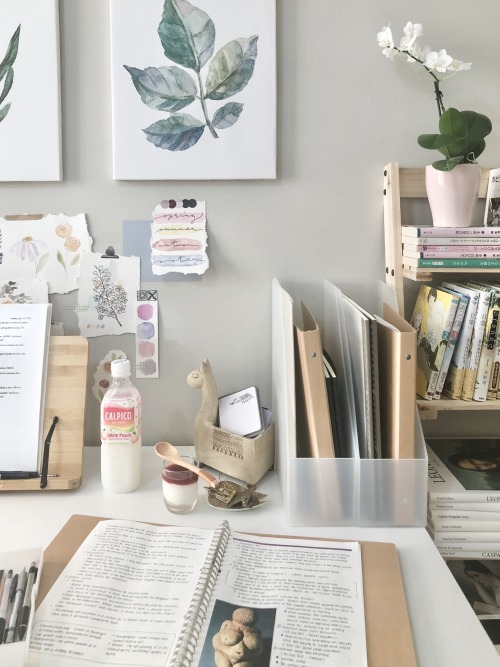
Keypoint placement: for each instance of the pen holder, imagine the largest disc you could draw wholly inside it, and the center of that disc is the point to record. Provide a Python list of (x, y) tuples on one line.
[(247, 459)]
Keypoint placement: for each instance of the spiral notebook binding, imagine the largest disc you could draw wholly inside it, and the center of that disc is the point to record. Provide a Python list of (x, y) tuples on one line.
[(193, 620)]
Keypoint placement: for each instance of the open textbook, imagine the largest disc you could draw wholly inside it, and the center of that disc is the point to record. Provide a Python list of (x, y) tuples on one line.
[(149, 596)]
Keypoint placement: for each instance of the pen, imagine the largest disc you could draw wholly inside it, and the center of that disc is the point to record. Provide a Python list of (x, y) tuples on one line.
[(18, 598), (4, 603), (25, 613), (20, 474)]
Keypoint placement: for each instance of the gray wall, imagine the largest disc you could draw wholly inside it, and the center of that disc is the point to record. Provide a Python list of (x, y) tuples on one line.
[(343, 112)]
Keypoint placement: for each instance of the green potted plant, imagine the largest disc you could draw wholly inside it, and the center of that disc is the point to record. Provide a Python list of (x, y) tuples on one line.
[(452, 183)]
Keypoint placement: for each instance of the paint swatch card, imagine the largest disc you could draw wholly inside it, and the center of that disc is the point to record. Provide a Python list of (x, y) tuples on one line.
[(240, 412), (146, 337), (179, 238)]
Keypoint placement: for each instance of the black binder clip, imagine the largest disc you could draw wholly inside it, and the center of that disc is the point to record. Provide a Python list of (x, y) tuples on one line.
[(46, 450), (110, 253)]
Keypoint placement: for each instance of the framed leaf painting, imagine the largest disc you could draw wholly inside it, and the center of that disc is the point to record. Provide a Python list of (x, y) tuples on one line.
[(30, 109), (194, 89)]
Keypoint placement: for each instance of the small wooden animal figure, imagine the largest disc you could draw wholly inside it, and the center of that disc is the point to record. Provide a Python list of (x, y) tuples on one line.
[(204, 423)]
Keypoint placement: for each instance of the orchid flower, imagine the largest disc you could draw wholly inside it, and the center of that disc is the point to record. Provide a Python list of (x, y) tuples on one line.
[(433, 61)]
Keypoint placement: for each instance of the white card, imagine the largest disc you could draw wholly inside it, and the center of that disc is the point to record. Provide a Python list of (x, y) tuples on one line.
[(240, 412)]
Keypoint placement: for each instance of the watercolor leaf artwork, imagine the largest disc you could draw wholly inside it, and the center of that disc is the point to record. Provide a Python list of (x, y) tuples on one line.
[(7, 71), (187, 35)]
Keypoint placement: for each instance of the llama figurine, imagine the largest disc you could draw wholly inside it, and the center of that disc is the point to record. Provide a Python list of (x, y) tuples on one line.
[(247, 459)]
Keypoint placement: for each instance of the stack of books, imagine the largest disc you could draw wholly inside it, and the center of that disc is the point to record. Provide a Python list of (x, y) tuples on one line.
[(451, 247), (464, 496), (458, 340)]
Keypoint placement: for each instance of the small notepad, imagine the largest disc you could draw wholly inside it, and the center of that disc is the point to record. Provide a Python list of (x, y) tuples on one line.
[(240, 412)]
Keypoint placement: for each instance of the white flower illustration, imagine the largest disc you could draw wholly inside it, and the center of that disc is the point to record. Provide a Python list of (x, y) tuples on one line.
[(28, 248)]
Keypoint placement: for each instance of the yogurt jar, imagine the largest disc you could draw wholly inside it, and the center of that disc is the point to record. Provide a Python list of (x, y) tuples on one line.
[(180, 486)]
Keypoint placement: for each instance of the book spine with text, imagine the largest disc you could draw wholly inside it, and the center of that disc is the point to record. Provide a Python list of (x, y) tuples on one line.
[(462, 538), (432, 243), (485, 366), (455, 378), (475, 347), (455, 248), (451, 263), (463, 515), (474, 550), (491, 508), (450, 347), (457, 525), (429, 230), (451, 254)]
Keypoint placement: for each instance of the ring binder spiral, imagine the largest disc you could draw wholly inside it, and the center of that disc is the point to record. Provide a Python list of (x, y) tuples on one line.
[(191, 627)]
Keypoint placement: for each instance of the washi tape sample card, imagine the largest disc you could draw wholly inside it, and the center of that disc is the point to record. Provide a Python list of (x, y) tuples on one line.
[(179, 237)]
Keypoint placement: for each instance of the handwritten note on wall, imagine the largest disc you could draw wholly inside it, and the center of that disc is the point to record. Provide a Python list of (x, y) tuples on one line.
[(179, 238)]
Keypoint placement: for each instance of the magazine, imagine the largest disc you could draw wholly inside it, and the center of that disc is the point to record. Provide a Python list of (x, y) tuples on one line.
[(492, 208), (479, 580), (464, 469)]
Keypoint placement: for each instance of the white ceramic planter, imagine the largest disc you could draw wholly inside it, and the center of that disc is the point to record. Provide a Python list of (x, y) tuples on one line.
[(453, 194)]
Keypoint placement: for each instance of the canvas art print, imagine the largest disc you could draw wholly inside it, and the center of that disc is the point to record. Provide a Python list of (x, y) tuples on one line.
[(30, 134), (194, 92)]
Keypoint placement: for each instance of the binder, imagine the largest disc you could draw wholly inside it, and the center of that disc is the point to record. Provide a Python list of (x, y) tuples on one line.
[(388, 631), (397, 347), (313, 410)]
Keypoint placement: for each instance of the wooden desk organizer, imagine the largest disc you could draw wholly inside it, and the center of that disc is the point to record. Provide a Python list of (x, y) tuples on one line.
[(65, 398)]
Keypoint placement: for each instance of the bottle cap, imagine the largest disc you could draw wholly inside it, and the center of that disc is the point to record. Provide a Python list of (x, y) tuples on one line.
[(120, 368)]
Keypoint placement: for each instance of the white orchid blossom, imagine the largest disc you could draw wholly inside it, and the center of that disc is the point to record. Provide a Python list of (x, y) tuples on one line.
[(435, 62), (438, 60)]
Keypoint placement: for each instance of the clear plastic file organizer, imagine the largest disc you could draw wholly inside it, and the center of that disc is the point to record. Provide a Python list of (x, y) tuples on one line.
[(337, 491)]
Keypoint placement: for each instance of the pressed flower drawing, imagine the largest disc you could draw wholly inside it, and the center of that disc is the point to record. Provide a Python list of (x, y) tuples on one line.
[(7, 71), (111, 299), (187, 35), (30, 249), (71, 245)]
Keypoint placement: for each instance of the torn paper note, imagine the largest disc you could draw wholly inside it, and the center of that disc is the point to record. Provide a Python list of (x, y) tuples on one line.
[(107, 295), (179, 238), (48, 248)]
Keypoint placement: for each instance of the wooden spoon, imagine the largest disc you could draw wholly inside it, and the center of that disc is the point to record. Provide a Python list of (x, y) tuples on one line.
[(168, 452)]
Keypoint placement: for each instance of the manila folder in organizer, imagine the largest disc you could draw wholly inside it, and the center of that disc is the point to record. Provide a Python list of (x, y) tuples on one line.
[(397, 344), (314, 427)]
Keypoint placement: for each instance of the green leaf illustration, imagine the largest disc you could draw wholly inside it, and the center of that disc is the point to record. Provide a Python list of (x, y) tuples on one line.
[(231, 68), (176, 133), (163, 88), (4, 111), (9, 79), (11, 54), (227, 115), (42, 262), (187, 34), (75, 259), (60, 259)]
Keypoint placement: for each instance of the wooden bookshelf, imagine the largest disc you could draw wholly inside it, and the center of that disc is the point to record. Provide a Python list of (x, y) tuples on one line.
[(403, 183)]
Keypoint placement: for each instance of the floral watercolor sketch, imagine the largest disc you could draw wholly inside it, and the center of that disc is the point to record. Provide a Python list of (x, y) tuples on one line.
[(30, 132), (49, 248), (24, 291), (194, 94), (107, 295)]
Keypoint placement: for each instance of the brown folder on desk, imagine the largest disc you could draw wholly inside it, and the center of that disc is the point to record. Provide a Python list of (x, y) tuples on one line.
[(314, 426), (397, 377), (388, 633)]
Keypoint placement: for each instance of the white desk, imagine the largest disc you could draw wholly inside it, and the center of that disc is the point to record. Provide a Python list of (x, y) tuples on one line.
[(445, 630)]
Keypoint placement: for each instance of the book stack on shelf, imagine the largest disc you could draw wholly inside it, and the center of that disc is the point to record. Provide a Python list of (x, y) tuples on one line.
[(463, 515), (458, 341), (433, 248)]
